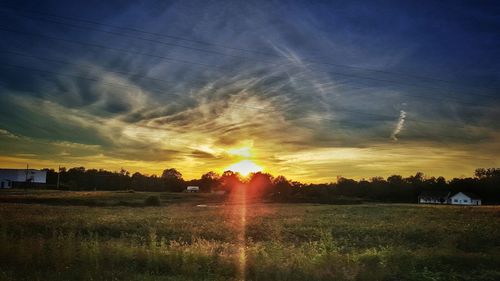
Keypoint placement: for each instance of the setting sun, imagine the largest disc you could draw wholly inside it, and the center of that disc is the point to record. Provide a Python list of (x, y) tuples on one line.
[(245, 167)]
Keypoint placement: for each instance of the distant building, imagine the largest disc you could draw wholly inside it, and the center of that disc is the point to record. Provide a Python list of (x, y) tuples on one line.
[(445, 197), (463, 198), (193, 188), (9, 177), (434, 197)]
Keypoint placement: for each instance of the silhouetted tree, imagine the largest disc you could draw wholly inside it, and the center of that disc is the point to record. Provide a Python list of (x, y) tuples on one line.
[(283, 188), (485, 183), (171, 174), (173, 180), (260, 184), (229, 180), (209, 181)]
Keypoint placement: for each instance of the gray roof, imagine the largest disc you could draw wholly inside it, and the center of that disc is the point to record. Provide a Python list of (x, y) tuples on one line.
[(470, 195)]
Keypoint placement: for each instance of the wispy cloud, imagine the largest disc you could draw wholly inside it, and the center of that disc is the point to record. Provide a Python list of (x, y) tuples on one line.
[(288, 107), (399, 125)]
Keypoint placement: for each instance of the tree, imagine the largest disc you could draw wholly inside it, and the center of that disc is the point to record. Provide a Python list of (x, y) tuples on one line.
[(138, 181), (171, 174), (260, 184), (229, 180), (487, 173), (209, 181), (395, 180), (417, 179), (173, 180), (210, 176), (283, 187)]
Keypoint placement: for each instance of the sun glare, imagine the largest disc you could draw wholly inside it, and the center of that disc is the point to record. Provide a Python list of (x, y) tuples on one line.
[(245, 167)]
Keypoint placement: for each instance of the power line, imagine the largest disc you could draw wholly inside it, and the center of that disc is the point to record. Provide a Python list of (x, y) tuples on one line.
[(19, 10), (340, 125), (127, 86), (108, 48), (139, 31), (397, 82), (216, 66), (133, 74), (163, 80), (391, 117), (178, 95), (84, 78), (149, 40)]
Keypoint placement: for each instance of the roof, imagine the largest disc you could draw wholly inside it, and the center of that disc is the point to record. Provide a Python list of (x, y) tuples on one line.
[(470, 195)]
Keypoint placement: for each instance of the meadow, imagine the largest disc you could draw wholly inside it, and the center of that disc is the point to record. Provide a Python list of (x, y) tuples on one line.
[(67, 235)]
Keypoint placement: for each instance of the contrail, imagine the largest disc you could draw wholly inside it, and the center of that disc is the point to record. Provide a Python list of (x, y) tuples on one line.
[(399, 126)]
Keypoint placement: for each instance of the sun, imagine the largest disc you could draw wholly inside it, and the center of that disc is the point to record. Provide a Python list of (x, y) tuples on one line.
[(245, 167)]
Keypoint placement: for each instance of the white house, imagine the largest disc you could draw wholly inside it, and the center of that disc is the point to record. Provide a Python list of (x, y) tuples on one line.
[(462, 198), (10, 176), (193, 188)]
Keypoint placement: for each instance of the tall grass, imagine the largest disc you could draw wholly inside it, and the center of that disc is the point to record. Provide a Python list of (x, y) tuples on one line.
[(281, 242)]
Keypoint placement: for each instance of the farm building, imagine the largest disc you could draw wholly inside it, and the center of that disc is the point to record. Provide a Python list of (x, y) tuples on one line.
[(434, 197), (445, 197), (463, 198), (193, 188), (9, 177)]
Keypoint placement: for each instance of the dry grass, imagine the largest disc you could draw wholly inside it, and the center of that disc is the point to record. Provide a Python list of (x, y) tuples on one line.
[(69, 238)]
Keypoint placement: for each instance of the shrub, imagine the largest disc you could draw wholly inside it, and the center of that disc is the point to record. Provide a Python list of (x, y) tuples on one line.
[(152, 201)]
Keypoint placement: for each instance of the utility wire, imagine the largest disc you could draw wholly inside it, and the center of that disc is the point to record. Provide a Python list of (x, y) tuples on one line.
[(218, 66), (108, 48), (150, 40), (136, 30), (241, 57), (264, 110), (84, 78), (15, 9), (426, 96)]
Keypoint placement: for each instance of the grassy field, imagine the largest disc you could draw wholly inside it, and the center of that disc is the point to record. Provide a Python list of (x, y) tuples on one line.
[(53, 235)]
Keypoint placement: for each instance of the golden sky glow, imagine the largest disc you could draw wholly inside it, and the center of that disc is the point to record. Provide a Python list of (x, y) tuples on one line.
[(216, 142), (292, 97)]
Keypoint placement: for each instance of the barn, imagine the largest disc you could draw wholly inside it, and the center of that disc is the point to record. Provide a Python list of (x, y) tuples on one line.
[(9, 177), (465, 198)]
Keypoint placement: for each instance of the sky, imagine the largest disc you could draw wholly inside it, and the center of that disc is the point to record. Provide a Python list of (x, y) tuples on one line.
[(311, 90)]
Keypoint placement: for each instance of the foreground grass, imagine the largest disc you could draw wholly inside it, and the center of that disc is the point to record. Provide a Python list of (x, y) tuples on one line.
[(68, 236)]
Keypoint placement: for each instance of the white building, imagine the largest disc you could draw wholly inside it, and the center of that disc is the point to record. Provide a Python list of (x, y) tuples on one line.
[(10, 176), (444, 197), (193, 188), (462, 198)]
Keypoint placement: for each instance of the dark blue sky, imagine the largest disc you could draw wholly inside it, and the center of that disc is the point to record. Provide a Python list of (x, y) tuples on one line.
[(314, 88)]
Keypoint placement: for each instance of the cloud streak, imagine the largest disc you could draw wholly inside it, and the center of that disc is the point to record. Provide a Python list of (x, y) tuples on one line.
[(399, 125), (288, 107)]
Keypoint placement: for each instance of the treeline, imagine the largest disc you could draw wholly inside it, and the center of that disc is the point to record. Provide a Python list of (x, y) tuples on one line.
[(485, 183)]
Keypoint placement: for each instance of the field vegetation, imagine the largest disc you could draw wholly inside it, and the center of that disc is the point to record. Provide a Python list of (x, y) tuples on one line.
[(67, 235)]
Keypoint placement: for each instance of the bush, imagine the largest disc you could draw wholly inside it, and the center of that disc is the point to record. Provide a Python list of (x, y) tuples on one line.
[(152, 201)]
